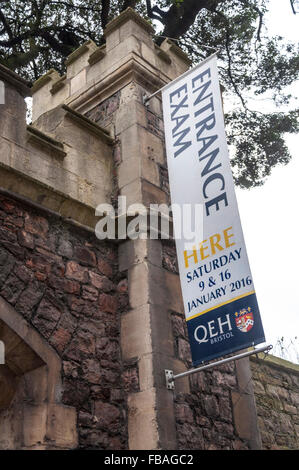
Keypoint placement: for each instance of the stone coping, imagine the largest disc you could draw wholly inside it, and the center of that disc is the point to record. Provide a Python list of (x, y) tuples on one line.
[(97, 55), (178, 51), (88, 45), (88, 124), (15, 80), (45, 139), (58, 85), (47, 77), (277, 362), (162, 54), (128, 14)]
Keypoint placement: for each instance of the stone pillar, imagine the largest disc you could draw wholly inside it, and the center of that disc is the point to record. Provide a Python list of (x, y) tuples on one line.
[(244, 407), (146, 333)]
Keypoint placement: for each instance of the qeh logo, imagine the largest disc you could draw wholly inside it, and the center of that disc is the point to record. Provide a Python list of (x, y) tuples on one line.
[(244, 319), (2, 93)]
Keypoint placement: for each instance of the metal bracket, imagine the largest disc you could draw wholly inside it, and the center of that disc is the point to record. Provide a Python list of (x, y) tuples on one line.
[(169, 379), (145, 100)]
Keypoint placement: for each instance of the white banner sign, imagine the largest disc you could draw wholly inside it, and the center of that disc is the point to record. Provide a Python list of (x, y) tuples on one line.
[(219, 298)]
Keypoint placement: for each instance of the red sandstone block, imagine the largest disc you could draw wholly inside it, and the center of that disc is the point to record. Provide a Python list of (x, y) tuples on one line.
[(26, 239), (109, 377), (108, 303), (65, 285), (12, 289), (12, 220), (38, 263), (70, 369), (178, 325), (76, 303), (46, 318), (48, 242), (108, 351), (40, 276), (211, 406), (23, 273), (29, 298), (36, 225), (14, 248), (105, 268), (60, 338), (82, 345), (107, 414), (184, 413), (90, 293), (85, 256), (7, 205), (75, 393), (77, 272), (49, 256), (86, 419), (71, 287), (92, 371), (101, 282)]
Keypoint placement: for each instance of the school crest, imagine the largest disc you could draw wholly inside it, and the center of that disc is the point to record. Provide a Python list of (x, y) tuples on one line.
[(244, 319)]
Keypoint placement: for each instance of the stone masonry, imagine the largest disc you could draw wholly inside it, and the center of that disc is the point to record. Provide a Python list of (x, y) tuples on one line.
[(276, 390), (90, 326)]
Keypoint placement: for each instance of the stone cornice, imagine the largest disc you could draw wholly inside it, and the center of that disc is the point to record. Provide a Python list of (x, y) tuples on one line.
[(45, 140), (44, 79), (15, 80), (133, 68), (60, 83), (88, 124), (179, 52)]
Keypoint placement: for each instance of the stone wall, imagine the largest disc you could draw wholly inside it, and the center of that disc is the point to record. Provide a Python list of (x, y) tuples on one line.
[(276, 384), (66, 285)]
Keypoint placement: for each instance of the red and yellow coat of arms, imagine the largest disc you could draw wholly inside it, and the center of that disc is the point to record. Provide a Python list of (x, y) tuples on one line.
[(244, 319)]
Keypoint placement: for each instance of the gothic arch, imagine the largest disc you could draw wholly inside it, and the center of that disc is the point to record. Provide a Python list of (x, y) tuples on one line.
[(31, 415)]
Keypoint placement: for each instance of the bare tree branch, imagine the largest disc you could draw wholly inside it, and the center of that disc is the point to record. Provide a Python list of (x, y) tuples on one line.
[(151, 12)]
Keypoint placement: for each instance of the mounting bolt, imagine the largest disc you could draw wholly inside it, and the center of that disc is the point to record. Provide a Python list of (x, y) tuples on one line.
[(169, 379), (145, 100)]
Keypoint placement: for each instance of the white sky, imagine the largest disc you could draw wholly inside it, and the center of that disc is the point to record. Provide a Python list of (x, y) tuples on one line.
[(270, 220)]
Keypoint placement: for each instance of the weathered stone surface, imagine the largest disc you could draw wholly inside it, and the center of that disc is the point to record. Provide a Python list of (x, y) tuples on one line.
[(276, 388), (63, 283), (77, 272), (108, 303), (85, 256)]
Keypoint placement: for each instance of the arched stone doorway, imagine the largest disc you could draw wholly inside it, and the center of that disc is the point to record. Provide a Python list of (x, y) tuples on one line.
[(31, 415)]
